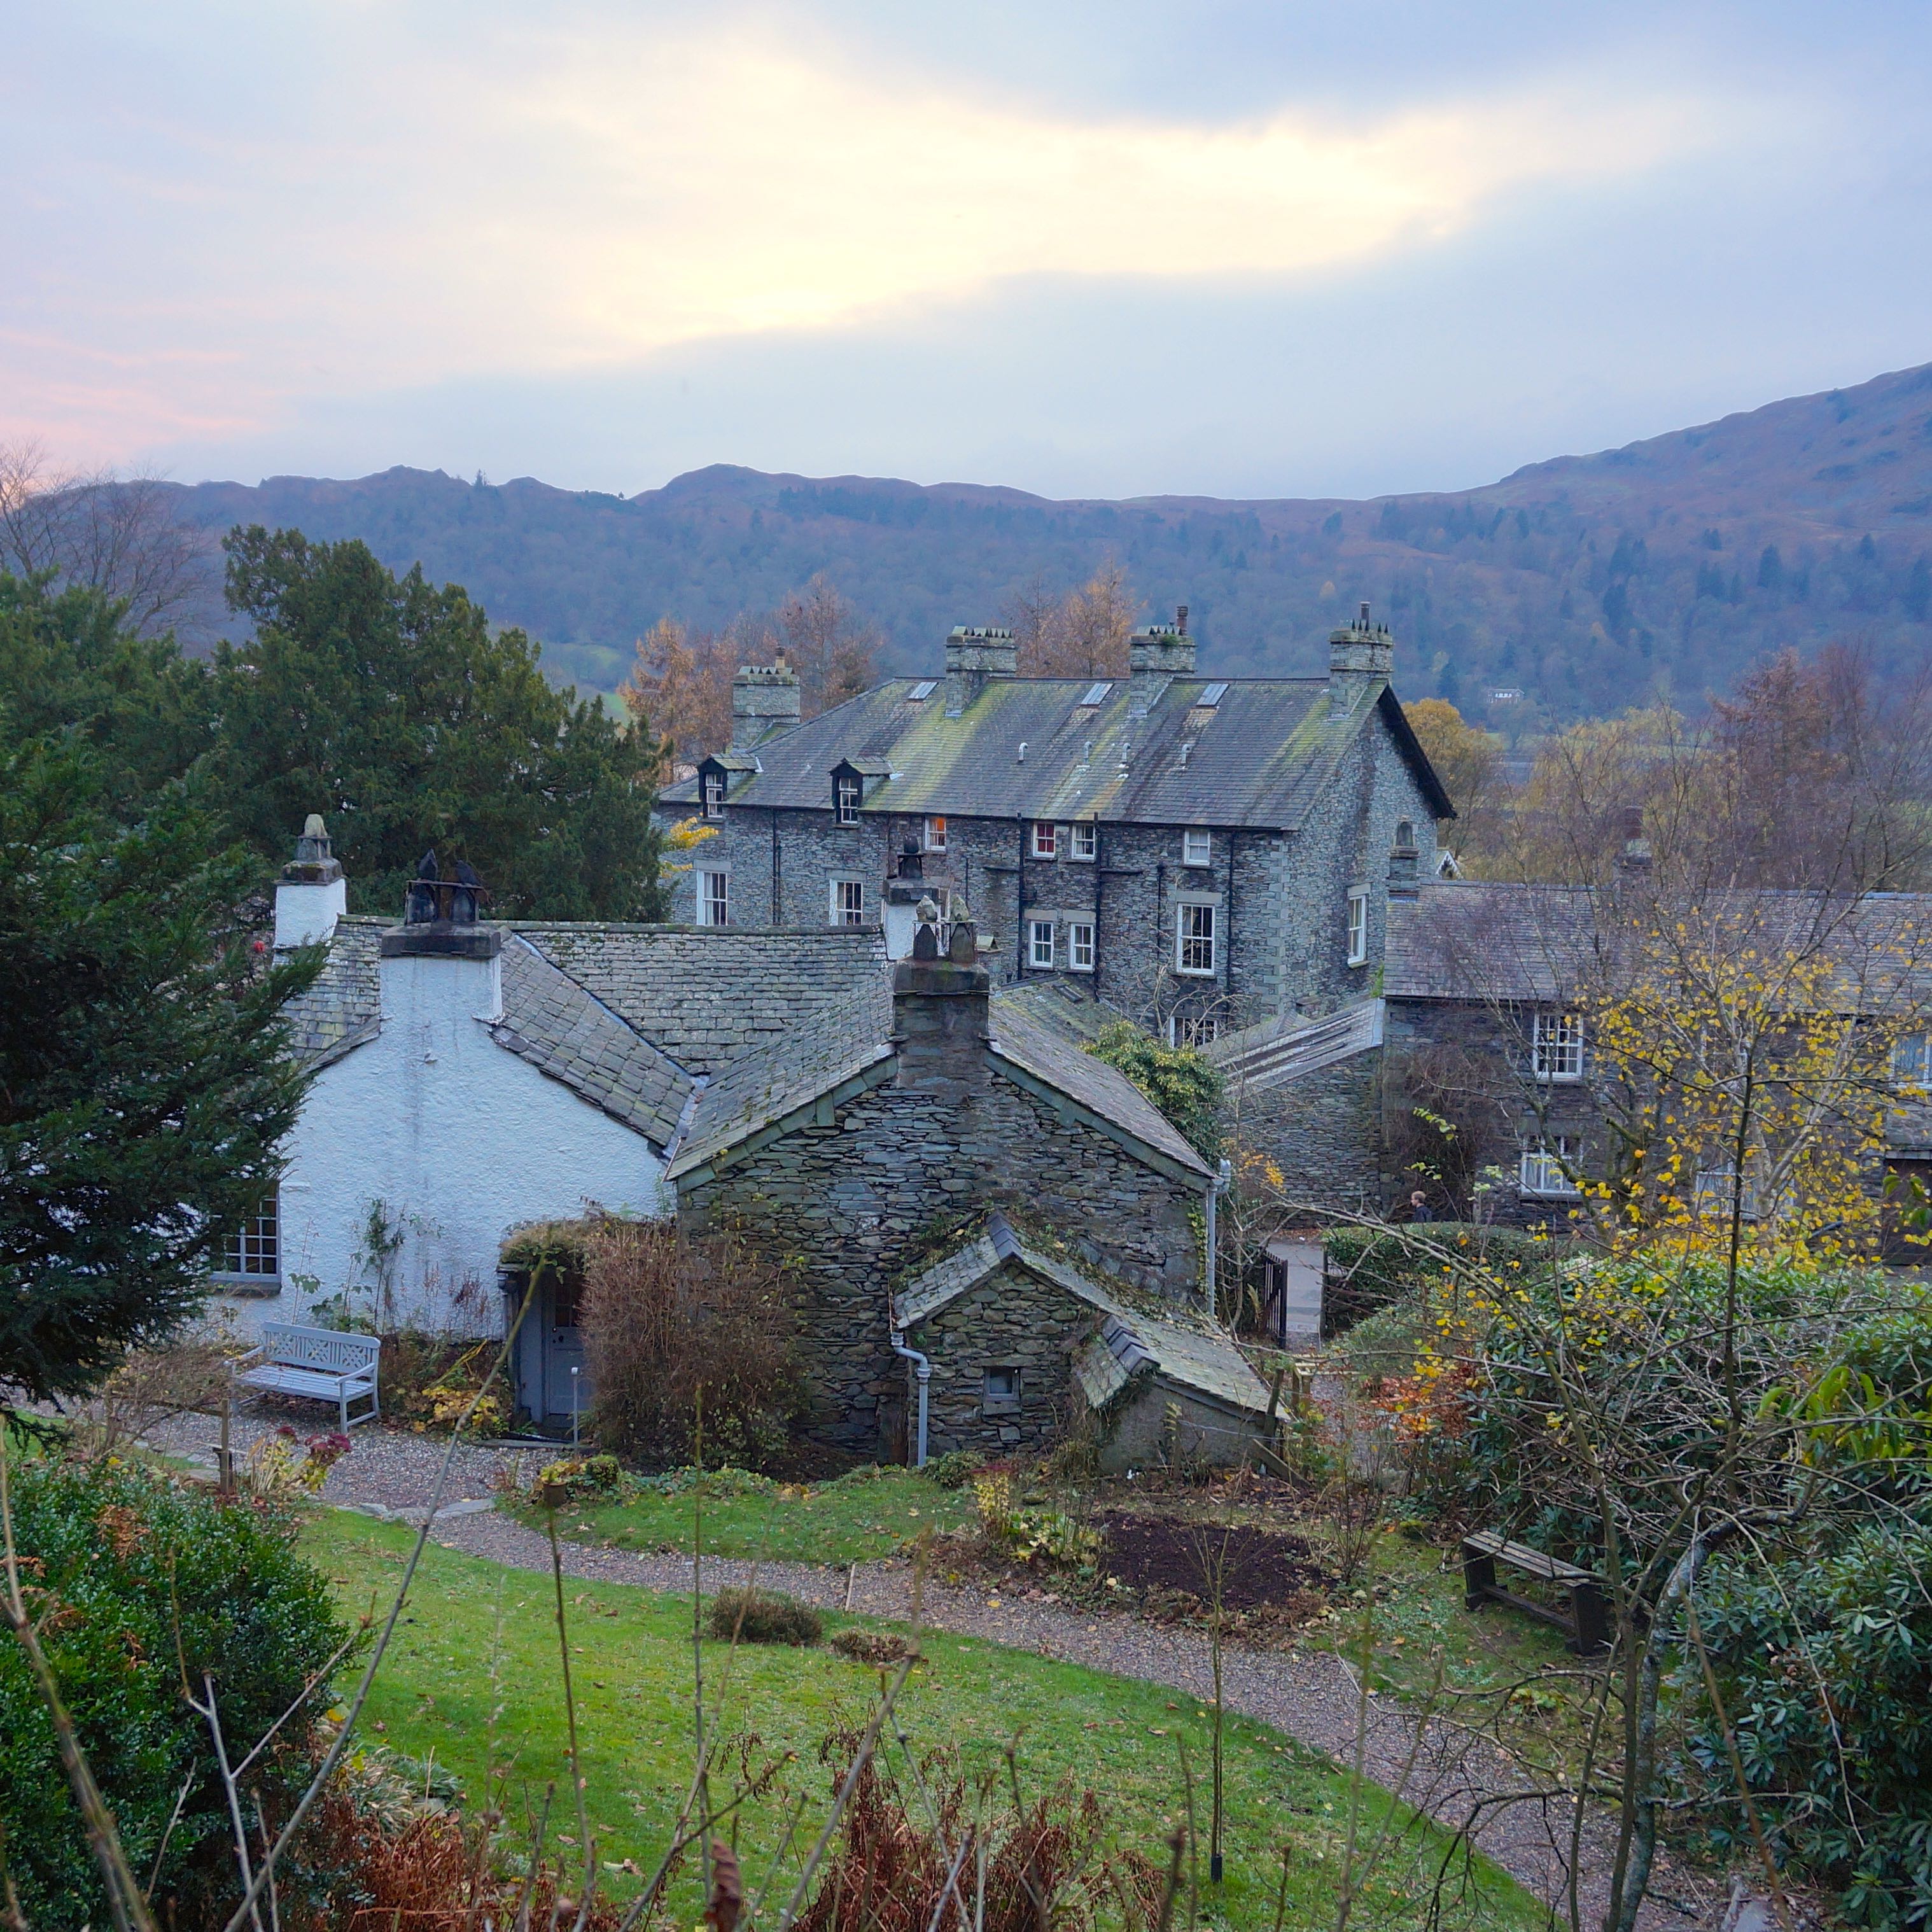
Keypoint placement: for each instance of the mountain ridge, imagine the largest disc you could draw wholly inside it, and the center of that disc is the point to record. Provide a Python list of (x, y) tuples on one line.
[(1581, 583)]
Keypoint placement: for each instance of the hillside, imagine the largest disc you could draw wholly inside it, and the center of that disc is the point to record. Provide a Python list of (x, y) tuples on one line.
[(1583, 583)]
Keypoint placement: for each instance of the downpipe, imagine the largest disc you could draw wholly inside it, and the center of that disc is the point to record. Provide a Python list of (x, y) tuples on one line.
[(924, 1369)]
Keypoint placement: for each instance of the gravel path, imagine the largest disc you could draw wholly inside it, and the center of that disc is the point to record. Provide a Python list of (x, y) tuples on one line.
[(1464, 1781)]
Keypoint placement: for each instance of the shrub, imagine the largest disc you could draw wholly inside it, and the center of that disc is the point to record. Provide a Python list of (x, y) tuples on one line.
[(577, 1477), (871, 1647), (1825, 1667), (136, 1582), (1187, 1088), (1368, 1268), (671, 1323), (760, 1616), (955, 1469)]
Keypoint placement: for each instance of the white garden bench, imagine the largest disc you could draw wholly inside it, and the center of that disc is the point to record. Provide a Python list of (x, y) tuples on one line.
[(322, 1363)]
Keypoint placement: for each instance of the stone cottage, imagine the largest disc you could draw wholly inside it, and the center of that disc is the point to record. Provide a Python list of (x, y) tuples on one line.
[(877, 1152), (1202, 853)]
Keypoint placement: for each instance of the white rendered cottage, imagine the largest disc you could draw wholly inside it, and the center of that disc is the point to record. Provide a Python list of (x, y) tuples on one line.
[(466, 1085)]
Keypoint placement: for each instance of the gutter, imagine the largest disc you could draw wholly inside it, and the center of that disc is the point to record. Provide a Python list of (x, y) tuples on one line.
[(925, 1371)]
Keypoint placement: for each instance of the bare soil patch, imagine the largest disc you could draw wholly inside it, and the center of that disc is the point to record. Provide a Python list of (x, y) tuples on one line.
[(1259, 1569)]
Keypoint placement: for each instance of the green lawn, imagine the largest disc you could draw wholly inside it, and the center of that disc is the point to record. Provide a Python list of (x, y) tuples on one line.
[(476, 1635), (857, 1518)]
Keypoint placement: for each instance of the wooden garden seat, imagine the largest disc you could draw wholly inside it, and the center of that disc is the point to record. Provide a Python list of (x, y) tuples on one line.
[(1588, 1622)]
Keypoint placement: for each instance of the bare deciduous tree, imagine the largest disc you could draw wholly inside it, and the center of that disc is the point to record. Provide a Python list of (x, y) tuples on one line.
[(109, 532), (1082, 634)]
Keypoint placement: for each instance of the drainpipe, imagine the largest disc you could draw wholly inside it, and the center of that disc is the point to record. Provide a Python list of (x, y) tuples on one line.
[(1218, 1186), (925, 1376)]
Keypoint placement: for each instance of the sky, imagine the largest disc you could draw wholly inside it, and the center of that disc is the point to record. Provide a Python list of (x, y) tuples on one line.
[(1232, 247)]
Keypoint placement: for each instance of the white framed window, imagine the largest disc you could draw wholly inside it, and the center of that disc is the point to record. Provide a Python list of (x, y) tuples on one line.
[(1195, 1030), (1911, 1059), (1549, 1166), (848, 801), (1002, 1392), (253, 1251), (714, 794), (1046, 840), (1040, 942), (848, 902), (714, 898), (1085, 844), (1197, 847), (1080, 946), (935, 835), (1194, 939), (1716, 1186), (1358, 925), (1556, 1046)]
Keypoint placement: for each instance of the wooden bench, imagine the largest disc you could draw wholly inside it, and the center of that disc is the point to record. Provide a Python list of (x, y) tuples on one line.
[(1588, 1622), (323, 1364)]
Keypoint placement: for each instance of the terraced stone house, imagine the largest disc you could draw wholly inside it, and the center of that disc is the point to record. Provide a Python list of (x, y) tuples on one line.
[(1204, 854)]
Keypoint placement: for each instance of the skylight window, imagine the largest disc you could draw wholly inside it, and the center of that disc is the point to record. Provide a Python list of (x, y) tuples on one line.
[(919, 693), (1096, 694), (1212, 696)]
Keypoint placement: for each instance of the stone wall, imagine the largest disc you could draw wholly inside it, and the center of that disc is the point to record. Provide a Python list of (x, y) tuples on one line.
[(854, 1207), (1012, 1320)]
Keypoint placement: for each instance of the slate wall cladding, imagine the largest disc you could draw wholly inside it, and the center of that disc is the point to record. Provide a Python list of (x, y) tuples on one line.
[(1009, 1321), (850, 1205)]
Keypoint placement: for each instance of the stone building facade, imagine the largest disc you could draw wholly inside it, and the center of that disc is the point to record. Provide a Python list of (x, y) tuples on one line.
[(887, 1152), (1203, 854)]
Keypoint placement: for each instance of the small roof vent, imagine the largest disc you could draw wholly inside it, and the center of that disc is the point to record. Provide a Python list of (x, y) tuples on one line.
[(1096, 694), (1212, 696)]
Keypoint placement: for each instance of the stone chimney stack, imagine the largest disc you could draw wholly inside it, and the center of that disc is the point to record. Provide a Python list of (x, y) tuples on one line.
[(1361, 656), (940, 1017), (1156, 657), (975, 654), (764, 702), (311, 894)]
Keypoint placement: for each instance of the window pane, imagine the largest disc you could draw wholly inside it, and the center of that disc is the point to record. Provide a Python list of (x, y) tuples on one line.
[(1045, 841), (1086, 841), (1194, 951), (1196, 848), (1040, 932), (1080, 952), (255, 1248)]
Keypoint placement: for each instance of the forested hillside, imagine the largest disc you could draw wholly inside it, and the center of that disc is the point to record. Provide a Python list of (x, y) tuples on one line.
[(1581, 583)]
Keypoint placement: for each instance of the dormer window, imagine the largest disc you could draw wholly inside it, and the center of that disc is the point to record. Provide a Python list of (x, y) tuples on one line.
[(714, 794), (848, 794)]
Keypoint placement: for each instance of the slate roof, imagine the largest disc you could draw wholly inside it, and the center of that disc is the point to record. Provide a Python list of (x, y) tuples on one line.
[(1050, 1057), (1059, 1005), (343, 1008), (1261, 757), (1129, 1340), (825, 1049), (1274, 1051), (707, 995), (565, 1032), (1482, 940), (970, 1263)]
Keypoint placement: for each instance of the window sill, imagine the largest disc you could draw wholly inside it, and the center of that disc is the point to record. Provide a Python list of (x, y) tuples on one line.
[(1196, 972), (267, 1286)]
